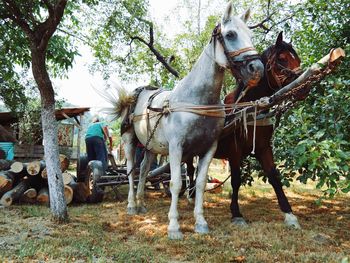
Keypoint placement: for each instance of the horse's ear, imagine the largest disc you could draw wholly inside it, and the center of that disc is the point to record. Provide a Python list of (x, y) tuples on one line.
[(246, 15), (227, 14), (279, 38)]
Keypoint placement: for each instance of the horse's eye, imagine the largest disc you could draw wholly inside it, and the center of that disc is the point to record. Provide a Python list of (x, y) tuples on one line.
[(231, 35)]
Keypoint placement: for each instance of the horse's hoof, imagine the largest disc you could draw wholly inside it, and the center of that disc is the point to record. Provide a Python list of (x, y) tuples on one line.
[(141, 210), (239, 221), (132, 211), (291, 221), (201, 229), (175, 235)]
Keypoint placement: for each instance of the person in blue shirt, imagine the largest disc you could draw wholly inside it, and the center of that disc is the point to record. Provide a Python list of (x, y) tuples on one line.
[(95, 139)]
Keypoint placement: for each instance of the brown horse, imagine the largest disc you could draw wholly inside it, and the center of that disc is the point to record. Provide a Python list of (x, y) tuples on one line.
[(281, 67)]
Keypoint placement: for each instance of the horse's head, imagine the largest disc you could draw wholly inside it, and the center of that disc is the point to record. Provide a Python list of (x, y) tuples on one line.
[(282, 64), (235, 49)]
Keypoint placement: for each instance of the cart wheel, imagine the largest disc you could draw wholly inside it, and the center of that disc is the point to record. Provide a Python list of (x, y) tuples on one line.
[(82, 168), (166, 186), (94, 173)]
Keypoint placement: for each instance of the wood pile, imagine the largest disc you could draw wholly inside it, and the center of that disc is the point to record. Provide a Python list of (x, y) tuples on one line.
[(26, 182)]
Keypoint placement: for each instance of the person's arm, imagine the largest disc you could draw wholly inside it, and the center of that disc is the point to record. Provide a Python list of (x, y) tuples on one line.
[(108, 137)]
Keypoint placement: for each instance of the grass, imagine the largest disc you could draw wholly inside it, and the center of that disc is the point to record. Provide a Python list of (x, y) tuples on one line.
[(105, 233)]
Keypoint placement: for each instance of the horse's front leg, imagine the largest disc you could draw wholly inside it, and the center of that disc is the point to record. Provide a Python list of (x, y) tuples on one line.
[(144, 169), (273, 175), (201, 225), (175, 155), (129, 148)]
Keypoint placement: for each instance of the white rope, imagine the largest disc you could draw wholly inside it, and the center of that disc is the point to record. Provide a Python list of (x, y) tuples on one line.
[(244, 112), (254, 132)]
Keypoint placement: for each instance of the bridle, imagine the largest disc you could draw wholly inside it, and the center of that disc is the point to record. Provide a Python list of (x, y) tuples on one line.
[(234, 64), (286, 73)]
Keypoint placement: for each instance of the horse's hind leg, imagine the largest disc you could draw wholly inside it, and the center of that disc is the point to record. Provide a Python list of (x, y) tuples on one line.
[(190, 174), (236, 181), (273, 176), (129, 148), (144, 169), (201, 180)]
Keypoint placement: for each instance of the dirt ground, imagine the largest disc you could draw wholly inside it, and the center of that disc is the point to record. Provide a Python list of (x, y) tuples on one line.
[(105, 233)]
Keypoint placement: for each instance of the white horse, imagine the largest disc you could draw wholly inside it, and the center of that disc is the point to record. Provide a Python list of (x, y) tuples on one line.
[(187, 121)]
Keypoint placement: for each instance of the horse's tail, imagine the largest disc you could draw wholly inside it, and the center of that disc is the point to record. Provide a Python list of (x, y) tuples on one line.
[(120, 101)]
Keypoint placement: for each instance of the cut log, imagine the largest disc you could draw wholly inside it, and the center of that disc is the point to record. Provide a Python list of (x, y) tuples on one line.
[(5, 164), (44, 173), (67, 178), (29, 196), (13, 195), (64, 164), (43, 196), (34, 168), (7, 180), (68, 194), (17, 167), (30, 193), (80, 191)]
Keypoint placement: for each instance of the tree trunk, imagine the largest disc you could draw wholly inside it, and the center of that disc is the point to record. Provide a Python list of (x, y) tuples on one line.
[(57, 200)]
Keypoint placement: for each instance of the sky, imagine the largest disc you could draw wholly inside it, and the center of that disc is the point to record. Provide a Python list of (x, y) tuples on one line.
[(79, 88)]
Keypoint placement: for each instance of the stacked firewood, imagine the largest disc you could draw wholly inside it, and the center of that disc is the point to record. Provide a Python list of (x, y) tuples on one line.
[(27, 183)]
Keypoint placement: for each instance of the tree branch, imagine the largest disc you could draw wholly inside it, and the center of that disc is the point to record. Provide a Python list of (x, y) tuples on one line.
[(83, 39), (159, 57), (14, 13), (48, 28), (49, 7), (151, 36)]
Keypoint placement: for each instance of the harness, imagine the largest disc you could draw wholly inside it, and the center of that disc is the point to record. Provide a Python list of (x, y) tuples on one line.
[(271, 64)]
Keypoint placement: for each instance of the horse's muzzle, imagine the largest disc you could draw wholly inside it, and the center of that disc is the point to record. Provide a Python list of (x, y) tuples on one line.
[(254, 72)]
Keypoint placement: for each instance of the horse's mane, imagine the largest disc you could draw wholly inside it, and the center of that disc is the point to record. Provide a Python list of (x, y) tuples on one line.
[(281, 46)]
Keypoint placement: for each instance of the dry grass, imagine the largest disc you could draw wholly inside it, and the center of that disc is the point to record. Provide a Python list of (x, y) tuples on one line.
[(105, 233)]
